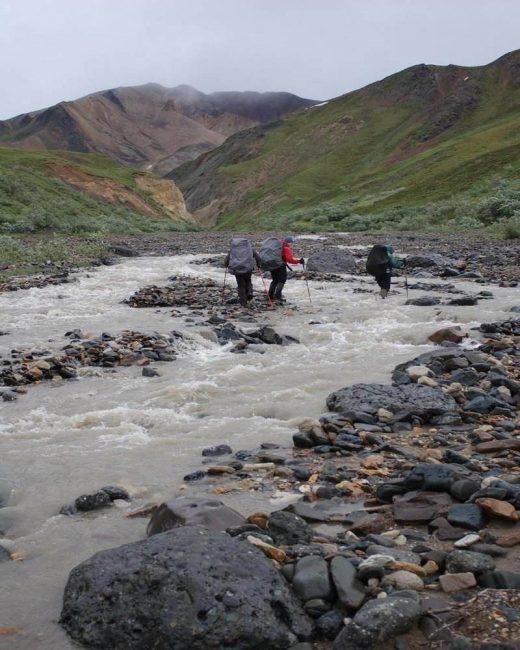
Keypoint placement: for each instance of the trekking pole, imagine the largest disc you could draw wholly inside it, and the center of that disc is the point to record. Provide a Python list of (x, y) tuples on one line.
[(265, 287), (224, 285), (307, 283)]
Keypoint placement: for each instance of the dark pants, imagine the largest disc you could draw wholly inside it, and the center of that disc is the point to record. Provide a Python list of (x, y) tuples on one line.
[(245, 287), (384, 279), (279, 278)]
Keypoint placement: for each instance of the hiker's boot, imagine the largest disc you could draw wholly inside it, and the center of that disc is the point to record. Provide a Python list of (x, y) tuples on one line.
[(384, 293), (278, 293)]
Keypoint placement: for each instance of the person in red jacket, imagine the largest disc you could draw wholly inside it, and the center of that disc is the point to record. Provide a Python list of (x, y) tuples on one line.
[(279, 275)]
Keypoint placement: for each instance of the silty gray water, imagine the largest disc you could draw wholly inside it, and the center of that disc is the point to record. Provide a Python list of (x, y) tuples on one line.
[(57, 442)]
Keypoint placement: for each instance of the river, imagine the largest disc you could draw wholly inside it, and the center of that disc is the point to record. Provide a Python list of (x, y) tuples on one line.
[(119, 428)]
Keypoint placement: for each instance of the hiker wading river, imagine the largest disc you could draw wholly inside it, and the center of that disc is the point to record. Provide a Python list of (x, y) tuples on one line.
[(59, 441)]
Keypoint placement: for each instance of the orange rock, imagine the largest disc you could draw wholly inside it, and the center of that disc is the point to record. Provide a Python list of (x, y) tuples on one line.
[(271, 551), (407, 566), (496, 508), (259, 519), (374, 461)]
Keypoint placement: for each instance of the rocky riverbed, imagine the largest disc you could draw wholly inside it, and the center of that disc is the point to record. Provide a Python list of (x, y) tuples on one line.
[(389, 520)]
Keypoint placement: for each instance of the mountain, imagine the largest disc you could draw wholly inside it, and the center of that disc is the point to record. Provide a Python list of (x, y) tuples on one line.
[(424, 134), (143, 125), (47, 192)]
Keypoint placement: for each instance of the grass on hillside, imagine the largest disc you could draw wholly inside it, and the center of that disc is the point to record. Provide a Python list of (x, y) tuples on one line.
[(32, 201)]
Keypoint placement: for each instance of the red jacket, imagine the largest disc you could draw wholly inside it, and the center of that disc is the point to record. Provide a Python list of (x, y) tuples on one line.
[(287, 254)]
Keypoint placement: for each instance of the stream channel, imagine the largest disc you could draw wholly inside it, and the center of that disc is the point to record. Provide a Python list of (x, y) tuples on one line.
[(120, 428)]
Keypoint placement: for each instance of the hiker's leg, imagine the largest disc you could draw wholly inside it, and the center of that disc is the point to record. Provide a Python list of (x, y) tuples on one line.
[(275, 275), (249, 286), (281, 274), (278, 291), (242, 291), (385, 283)]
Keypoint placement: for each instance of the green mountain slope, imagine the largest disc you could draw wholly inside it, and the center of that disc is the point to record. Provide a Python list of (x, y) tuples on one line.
[(83, 193), (423, 135)]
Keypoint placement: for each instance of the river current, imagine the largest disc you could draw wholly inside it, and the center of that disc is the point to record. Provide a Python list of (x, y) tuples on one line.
[(119, 428)]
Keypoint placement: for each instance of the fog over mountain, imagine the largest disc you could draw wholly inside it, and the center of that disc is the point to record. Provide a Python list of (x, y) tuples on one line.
[(57, 50)]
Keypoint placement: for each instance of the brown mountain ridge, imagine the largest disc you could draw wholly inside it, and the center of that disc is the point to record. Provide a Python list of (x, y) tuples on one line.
[(147, 126)]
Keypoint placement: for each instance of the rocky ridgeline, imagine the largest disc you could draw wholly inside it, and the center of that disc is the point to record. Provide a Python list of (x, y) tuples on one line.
[(28, 366), (402, 529)]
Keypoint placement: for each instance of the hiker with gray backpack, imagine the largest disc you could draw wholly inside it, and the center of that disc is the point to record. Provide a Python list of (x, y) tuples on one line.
[(275, 255), (380, 262), (241, 261)]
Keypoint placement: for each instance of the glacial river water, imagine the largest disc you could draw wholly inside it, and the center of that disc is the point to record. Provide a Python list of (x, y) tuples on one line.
[(57, 442)]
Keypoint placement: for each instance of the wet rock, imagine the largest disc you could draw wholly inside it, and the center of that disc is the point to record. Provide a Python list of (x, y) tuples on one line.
[(184, 511), (414, 512), (464, 301), (421, 401), (428, 260), (194, 476), (424, 301), (467, 515), (127, 596), (316, 607), (303, 440), (311, 579), (425, 476), (380, 620), (445, 531), (150, 372), (332, 261), (453, 334), (87, 502), (288, 528), (463, 489), (218, 450), (115, 492), (330, 624), (499, 580), (468, 562), (349, 588), (387, 491)]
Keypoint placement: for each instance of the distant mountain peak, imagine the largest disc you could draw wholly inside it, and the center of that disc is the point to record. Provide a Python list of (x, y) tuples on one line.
[(142, 125)]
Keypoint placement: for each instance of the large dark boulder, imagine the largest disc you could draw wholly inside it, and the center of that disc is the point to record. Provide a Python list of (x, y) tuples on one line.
[(188, 589), (418, 400), (332, 261)]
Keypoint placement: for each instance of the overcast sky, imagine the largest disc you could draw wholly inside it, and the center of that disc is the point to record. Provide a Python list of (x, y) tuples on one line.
[(54, 50)]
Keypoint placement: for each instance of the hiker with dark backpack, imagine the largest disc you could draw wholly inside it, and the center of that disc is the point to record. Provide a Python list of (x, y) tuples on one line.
[(241, 261), (275, 255), (380, 262)]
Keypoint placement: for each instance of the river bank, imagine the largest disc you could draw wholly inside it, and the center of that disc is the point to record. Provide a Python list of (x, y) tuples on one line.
[(495, 260)]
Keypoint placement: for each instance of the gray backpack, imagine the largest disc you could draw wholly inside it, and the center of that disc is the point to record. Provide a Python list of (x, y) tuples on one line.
[(271, 254), (241, 258)]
